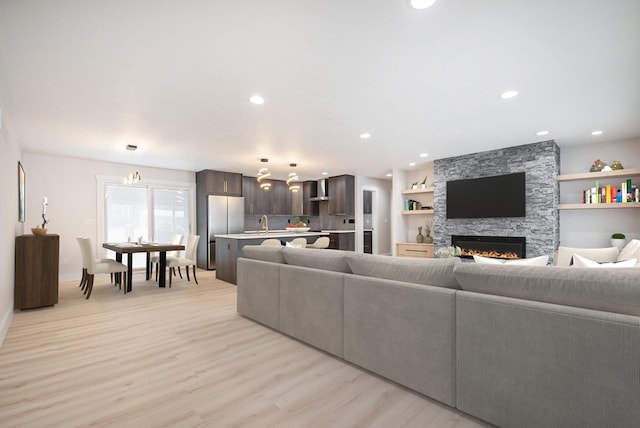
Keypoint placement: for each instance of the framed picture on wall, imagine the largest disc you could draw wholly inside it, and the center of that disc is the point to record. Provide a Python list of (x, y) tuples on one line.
[(20, 193)]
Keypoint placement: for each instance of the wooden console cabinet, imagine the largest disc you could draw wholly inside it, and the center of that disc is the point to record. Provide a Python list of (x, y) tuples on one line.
[(407, 249), (36, 271)]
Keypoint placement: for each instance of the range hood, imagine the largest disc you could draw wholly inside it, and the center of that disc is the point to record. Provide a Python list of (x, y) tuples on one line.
[(322, 192)]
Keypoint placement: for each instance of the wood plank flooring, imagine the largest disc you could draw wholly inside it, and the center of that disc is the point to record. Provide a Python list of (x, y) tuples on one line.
[(183, 357)]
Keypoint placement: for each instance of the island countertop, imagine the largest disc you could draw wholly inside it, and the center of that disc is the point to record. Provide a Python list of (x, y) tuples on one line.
[(272, 234)]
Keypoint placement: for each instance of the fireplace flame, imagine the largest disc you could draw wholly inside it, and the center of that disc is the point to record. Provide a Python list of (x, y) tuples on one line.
[(494, 254)]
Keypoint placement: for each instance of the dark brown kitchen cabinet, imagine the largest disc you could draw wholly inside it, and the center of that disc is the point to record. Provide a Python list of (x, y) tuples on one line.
[(256, 200), (368, 242), (310, 190), (220, 182), (280, 198), (276, 200), (367, 202), (36, 276), (341, 195), (342, 241)]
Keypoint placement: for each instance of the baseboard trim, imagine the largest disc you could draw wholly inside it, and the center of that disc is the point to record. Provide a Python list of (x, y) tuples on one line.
[(6, 322)]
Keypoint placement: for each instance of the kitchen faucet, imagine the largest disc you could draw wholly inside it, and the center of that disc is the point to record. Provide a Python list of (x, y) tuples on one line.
[(265, 223)]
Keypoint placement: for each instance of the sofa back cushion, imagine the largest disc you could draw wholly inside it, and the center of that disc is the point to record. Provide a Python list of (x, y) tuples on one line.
[(600, 255), (325, 259), (613, 290), (436, 272), (266, 253)]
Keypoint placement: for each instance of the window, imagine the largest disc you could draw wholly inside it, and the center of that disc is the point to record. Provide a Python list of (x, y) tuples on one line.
[(153, 212)]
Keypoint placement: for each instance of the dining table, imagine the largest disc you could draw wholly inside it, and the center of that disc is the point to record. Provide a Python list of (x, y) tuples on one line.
[(129, 248)]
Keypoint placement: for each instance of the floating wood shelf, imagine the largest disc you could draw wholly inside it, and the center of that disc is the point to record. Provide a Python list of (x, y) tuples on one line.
[(415, 191), (416, 212), (598, 206), (619, 173)]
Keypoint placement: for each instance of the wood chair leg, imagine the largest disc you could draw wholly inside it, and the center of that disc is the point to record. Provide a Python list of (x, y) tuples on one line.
[(124, 279), (194, 273), (179, 271), (187, 269), (157, 269), (171, 270), (89, 286), (83, 282), (150, 269)]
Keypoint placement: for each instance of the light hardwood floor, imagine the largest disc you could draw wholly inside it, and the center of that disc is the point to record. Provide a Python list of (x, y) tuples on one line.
[(183, 357)]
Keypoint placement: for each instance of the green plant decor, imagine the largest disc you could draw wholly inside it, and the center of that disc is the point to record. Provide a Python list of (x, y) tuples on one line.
[(618, 236)]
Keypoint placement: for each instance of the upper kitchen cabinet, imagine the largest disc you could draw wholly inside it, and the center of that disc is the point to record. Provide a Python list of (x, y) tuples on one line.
[(367, 202), (342, 195), (220, 182), (280, 198), (276, 200), (309, 190), (256, 200)]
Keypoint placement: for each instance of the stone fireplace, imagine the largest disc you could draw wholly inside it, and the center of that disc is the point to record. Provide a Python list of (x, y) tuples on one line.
[(541, 225), (500, 247)]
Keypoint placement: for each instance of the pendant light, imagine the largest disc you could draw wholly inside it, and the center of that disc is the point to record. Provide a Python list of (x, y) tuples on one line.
[(133, 177)]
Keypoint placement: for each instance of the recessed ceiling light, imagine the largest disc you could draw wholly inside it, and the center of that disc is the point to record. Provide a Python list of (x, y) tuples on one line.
[(424, 155), (544, 132), (256, 99), (598, 132), (325, 173), (508, 94), (389, 174), (365, 135), (412, 164), (422, 4)]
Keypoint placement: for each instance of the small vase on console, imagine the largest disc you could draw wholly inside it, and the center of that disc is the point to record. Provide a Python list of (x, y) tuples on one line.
[(420, 236), (428, 239)]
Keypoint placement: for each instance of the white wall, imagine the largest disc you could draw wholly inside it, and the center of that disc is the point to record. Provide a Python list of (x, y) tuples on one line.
[(70, 186), (381, 214), (10, 227), (593, 228)]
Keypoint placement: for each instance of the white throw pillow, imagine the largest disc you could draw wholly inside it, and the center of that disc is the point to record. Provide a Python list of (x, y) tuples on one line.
[(533, 261), (580, 261), (630, 251)]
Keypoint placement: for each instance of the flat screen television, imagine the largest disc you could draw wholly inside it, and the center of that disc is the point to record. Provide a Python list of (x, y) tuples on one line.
[(487, 197)]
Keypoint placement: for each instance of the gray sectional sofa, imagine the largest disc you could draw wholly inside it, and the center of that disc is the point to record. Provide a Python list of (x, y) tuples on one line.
[(516, 346)]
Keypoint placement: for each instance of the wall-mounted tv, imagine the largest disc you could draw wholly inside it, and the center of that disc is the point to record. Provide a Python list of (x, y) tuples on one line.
[(487, 197)]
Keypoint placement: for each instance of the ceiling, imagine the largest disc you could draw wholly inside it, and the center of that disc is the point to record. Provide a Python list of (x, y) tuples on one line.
[(85, 78)]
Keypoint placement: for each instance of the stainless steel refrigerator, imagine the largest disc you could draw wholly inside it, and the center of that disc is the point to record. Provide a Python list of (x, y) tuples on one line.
[(225, 215)]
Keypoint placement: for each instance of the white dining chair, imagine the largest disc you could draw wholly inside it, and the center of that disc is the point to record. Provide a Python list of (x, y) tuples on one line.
[(189, 259), (155, 260), (93, 266), (271, 241), (299, 242), (83, 279), (321, 242)]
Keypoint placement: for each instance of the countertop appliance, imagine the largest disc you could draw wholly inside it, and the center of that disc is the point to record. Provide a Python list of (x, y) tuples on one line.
[(225, 215)]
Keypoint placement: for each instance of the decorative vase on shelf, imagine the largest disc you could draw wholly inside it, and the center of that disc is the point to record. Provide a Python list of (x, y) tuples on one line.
[(616, 165), (420, 236), (427, 237)]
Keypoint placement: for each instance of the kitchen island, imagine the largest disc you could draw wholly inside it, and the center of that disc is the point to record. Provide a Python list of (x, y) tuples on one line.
[(229, 248)]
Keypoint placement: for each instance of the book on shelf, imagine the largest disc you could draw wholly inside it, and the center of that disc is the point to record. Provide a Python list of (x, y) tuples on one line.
[(626, 192)]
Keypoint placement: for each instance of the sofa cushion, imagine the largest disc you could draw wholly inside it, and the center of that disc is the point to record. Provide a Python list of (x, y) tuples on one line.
[(630, 251), (436, 272), (532, 261), (614, 290), (266, 253), (579, 261), (600, 255), (325, 259)]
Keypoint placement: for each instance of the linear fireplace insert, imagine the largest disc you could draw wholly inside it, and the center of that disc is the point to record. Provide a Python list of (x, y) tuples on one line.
[(500, 247)]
